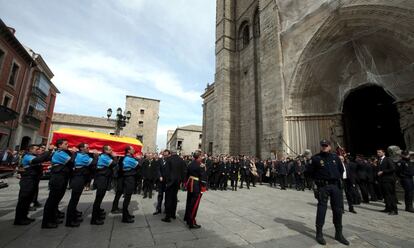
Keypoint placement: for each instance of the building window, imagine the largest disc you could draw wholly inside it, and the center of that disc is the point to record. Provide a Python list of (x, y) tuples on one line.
[(13, 75), (7, 101), (179, 144), (140, 138), (201, 135), (142, 111), (210, 148), (141, 124), (199, 146), (2, 55)]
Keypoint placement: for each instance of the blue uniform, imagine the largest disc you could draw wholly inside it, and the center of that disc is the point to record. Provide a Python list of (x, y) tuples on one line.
[(82, 160), (60, 158), (326, 166), (129, 163), (27, 160), (104, 161)]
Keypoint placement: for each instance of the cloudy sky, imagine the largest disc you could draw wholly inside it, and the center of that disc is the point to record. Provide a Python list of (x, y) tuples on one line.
[(101, 51)]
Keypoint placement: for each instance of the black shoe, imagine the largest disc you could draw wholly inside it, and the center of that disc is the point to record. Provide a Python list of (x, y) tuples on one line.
[(49, 225), (30, 219), (116, 211), (128, 220), (410, 210), (156, 212), (319, 236), (195, 226), (352, 211), (73, 224), (144, 197), (24, 222), (37, 204), (168, 220), (97, 222), (393, 213), (385, 211), (340, 238)]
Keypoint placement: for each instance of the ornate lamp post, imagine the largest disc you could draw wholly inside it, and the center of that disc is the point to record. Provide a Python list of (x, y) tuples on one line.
[(121, 119)]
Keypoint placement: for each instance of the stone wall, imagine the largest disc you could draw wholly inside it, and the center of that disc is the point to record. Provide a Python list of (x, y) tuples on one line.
[(285, 90), (149, 118)]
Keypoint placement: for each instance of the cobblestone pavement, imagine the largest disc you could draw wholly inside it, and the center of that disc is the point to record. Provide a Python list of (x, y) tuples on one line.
[(260, 217)]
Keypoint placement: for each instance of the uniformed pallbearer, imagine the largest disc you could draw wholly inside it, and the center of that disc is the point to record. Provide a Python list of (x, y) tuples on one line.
[(31, 164), (326, 170)]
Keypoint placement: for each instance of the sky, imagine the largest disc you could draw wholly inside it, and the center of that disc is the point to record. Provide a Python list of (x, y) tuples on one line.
[(101, 51)]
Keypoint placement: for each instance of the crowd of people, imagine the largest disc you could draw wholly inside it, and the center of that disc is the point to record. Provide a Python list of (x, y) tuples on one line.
[(361, 179)]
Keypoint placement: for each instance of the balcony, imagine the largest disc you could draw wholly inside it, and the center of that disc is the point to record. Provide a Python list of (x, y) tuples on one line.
[(7, 114), (34, 117)]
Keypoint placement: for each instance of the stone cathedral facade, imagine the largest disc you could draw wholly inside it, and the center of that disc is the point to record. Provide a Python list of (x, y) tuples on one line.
[(291, 72)]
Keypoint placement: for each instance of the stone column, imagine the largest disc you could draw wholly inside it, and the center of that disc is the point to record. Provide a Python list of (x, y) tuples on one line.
[(225, 48)]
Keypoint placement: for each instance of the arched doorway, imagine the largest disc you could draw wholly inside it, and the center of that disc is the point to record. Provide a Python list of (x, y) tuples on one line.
[(371, 120), (25, 142)]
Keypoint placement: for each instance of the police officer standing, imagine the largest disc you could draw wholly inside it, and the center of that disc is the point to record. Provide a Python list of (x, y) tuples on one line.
[(129, 168), (61, 166), (82, 162), (29, 178), (196, 185), (327, 171), (405, 171)]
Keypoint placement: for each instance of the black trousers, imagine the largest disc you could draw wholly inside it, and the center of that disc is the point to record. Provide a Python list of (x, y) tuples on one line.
[(363, 185), (77, 184), (390, 198), (129, 187), (57, 185), (273, 179), (148, 187), (283, 181), (300, 182), (223, 181), (349, 194), (160, 197), (408, 186), (171, 192), (36, 190), (371, 190), (101, 184), (233, 182), (334, 193), (138, 183), (26, 194), (119, 190), (191, 208), (245, 178)]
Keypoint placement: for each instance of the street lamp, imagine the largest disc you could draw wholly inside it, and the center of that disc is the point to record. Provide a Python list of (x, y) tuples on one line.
[(121, 119)]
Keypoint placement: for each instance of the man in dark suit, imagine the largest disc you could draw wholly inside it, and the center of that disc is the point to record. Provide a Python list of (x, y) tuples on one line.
[(162, 162), (386, 176), (175, 171), (348, 182)]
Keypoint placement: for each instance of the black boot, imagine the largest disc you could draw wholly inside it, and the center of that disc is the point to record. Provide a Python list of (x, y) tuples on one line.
[(319, 236), (339, 236)]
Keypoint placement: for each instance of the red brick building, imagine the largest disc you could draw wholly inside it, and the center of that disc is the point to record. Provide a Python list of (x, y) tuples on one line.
[(27, 95)]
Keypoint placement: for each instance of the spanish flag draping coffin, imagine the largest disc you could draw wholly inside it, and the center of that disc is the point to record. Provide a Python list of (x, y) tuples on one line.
[(97, 140)]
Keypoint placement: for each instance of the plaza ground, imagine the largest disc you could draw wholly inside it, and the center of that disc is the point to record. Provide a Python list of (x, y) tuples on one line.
[(260, 217)]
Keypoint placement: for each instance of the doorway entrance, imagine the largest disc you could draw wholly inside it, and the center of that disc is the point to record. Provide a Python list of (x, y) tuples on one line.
[(371, 121)]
